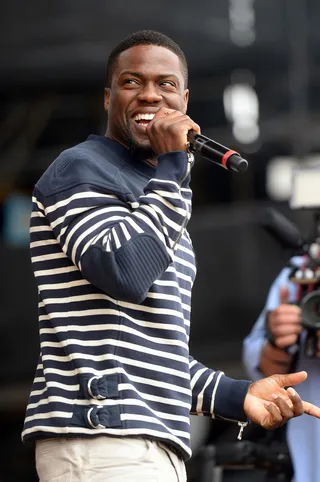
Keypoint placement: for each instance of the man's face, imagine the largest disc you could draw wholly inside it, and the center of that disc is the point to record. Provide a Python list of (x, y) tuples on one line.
[(146, 77)]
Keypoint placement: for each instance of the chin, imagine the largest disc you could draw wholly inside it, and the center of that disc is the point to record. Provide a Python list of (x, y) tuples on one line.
[(143, 144)]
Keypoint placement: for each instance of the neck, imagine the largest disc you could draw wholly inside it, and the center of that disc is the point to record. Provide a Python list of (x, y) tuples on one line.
[(144, 155)]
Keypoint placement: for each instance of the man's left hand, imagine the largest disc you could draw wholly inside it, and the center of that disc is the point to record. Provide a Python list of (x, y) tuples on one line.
[(268, 404)]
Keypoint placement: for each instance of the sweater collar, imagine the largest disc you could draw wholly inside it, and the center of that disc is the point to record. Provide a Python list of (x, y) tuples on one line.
[(130, 158)]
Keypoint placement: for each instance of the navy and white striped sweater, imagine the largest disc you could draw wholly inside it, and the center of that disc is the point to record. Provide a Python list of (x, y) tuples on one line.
[(114, 266)]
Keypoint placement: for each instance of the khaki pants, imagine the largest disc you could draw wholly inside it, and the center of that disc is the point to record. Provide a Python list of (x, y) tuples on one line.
[(107, 459)]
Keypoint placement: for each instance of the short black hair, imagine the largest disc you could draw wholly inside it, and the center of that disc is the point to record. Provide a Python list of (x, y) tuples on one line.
[(146, 37)]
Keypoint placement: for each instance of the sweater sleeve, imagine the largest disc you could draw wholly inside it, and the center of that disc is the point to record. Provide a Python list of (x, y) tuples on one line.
[(215, 394), (121, 247)]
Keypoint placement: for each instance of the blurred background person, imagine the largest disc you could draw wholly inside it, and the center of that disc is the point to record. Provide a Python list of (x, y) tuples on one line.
[(285, 336), (277, 344)]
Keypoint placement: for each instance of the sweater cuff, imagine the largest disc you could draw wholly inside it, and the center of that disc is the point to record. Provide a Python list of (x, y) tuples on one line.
[(229, 399), (172, 166)]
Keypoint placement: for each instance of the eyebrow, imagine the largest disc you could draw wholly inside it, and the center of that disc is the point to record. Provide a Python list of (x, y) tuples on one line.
[(139, 75)]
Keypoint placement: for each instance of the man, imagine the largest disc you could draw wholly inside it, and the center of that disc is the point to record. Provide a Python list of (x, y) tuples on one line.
[(115, 266), (265, 353)]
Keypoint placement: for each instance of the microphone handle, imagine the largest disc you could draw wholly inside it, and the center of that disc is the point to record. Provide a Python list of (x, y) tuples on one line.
[(217, 153)]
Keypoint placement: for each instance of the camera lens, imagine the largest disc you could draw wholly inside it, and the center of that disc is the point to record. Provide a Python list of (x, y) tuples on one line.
[(310, 309)]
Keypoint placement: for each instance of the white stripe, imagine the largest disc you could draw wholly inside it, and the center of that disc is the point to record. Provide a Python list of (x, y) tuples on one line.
[(78, 195), (42, 243), (71, 212), (166, 194), (196, 377), (95, 239), (135, 321), (134, 225), (48, 257), (111, 326), (39, 380), (165, 202), (148, 419), (165, 297), (47, 272), (92, 215), (149, 223), (186, 250), (162, 218), (37, 214), (179, 260), (131, 362), (63, 230), (88, 231), (106, 311), (199, 407), (175, 284), (38, 203), (125, 231), (62, 386), (154, 398), (112, 342), (35, 393), (214, 393), (166, 181), (60, 286), (42, 416), (185, 277), (39, 229), (116, 239)]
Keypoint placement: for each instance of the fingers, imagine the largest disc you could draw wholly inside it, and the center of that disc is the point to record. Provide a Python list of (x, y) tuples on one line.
[(174, 122), (168, 130), (297, 404), (289, 379), (286, 314), (285, 341), (275, 419), (284, 295), (288, 329), (281, 411), (311, 409), (285, 324)]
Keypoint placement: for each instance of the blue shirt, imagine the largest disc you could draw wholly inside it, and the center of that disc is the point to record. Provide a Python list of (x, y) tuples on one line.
[(303, 433)]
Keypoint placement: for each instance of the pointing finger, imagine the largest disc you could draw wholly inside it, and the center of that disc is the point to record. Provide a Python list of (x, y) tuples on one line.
[(311, 409)]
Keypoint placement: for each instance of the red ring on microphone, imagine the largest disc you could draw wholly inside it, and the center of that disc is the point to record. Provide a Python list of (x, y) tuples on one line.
[(226, 157)]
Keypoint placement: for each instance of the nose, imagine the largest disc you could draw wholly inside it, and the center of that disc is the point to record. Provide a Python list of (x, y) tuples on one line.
[(149, 94)]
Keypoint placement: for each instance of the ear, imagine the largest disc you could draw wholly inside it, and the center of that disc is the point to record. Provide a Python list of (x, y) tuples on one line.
[(106, 98), (186, 99)]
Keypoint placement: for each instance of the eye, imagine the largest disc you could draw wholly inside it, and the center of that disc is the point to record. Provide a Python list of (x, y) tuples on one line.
[(168, 83), (130, 82)]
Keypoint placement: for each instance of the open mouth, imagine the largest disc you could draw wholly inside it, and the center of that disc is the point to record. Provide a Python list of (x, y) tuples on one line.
[(143, 119)]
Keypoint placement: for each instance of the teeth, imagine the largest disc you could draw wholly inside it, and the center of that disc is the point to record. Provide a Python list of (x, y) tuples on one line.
[(143, 117)]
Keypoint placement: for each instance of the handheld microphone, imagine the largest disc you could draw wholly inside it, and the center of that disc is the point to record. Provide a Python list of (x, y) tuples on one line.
[(217, 153)]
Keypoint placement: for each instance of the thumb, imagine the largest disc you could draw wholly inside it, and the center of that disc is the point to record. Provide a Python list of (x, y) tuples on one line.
[(284, 295), (289, 379)]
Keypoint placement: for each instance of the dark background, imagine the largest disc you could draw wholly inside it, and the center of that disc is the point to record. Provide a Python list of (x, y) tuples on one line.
[(53, 58)]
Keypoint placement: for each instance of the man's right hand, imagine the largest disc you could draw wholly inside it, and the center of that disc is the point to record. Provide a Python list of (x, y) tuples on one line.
[(168, 131), (285, 321)]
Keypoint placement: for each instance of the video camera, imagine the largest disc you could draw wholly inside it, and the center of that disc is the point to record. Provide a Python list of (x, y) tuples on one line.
[(305, 195)]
